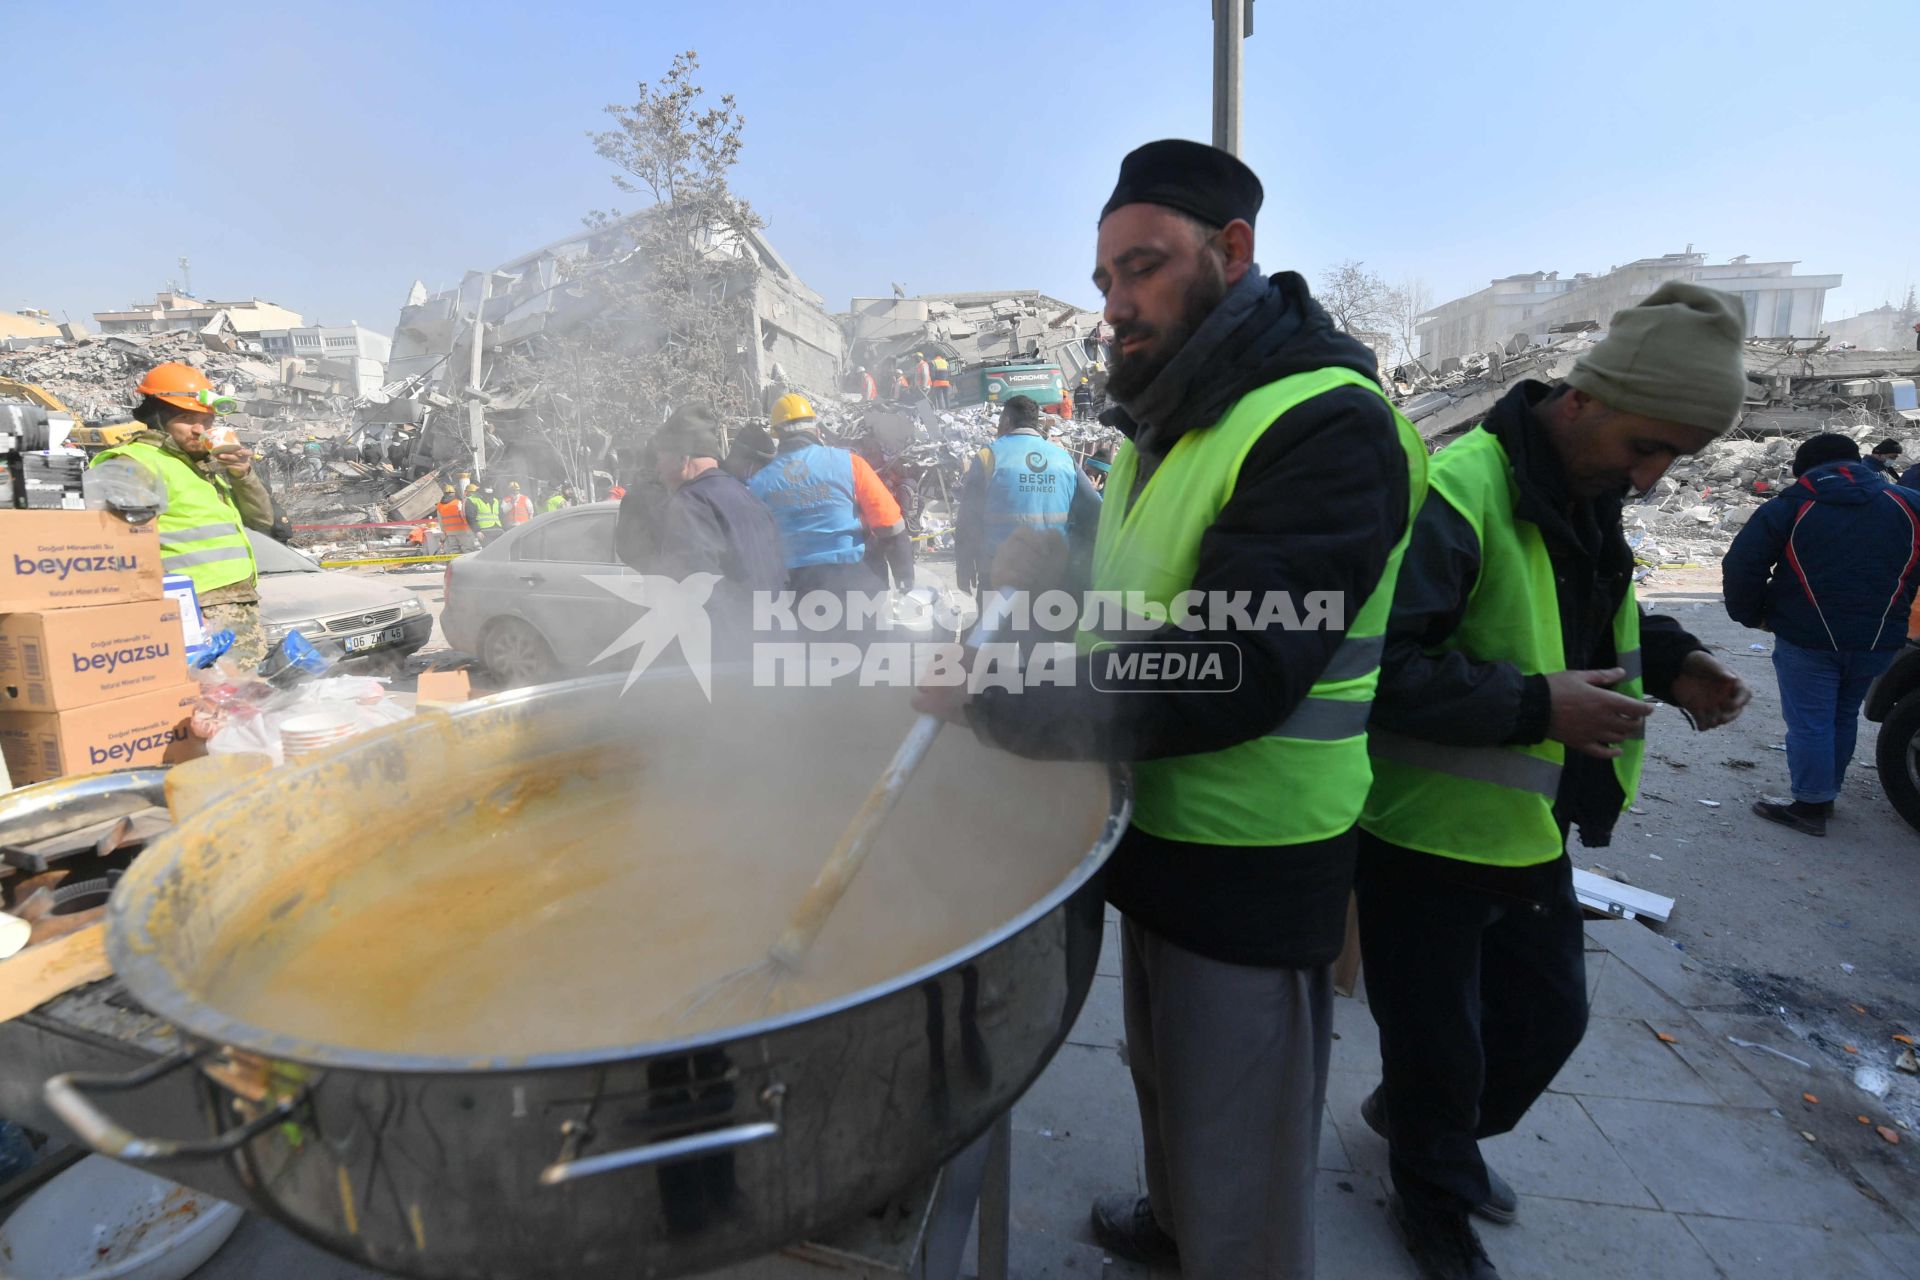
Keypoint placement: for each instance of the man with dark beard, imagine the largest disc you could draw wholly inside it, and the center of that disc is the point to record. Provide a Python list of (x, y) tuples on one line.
[(1264, 470)]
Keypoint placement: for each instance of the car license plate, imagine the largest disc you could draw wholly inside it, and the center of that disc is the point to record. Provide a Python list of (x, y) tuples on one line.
[(374, 639)]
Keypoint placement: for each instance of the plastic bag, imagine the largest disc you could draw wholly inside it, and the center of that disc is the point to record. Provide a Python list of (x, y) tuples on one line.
[(254, 724)]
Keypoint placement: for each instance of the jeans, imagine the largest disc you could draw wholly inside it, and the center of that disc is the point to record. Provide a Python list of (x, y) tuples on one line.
[(1820, 695)]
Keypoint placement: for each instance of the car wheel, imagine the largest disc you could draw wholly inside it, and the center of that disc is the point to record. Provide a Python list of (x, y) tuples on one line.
[(516, 654), (1897, 753)]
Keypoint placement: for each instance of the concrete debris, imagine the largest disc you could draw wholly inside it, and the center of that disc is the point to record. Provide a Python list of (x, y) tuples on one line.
[(1694, 511), (95, 377)]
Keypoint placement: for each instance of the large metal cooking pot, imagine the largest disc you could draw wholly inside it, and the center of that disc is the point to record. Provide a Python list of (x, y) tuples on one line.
[(596, 1159)]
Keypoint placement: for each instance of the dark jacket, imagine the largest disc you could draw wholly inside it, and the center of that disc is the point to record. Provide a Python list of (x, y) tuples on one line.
[(714, 524), (1910, 478), (1829, 563), (1449, 697), (1320, 500)]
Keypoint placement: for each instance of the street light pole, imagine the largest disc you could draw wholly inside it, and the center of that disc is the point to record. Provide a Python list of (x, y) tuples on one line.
[(1232, 23)]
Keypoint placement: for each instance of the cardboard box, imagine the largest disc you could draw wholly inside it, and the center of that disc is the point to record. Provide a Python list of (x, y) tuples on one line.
[(65, 658), (70, 559), (441, 689), (144, 730)]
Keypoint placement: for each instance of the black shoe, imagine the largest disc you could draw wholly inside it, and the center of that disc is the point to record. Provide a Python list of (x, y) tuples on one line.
[(1501, 1206), (1125, 1227), (1443, 1244), (1806, 818)]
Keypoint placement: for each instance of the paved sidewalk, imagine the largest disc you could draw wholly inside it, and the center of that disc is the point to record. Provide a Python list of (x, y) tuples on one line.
[(1683, 1159)]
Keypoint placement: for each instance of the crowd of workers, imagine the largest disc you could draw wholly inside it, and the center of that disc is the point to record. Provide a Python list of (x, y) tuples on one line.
[(1484, 692)]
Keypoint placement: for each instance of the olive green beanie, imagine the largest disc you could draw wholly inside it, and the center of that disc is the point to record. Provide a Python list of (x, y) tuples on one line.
[(1675, 357)]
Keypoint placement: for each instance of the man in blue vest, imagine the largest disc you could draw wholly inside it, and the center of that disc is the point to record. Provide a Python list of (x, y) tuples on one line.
[(1263, 464), (828, 504), (1020, 481), (1509, 709)]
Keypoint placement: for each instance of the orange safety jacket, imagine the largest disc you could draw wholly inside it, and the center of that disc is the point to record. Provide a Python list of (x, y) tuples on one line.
[(453, 517), (519, 509)]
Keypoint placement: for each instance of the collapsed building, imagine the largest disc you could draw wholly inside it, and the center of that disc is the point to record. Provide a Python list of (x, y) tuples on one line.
[(450, 366), (1795, 389), (974, 330)]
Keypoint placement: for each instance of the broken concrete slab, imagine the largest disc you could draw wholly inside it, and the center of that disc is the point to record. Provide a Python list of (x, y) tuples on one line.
[(1668, 968), (1789, 1251), (1595, 1242), (1732, 1164), (1623, 1058), (1557, 1151)]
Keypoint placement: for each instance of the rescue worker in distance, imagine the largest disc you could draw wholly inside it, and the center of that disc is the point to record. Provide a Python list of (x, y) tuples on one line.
[(827, 503), (518, 508), (455, 533), (213, 498), (483, 513), (1263, 466), (1020, 481), (1510, 708)]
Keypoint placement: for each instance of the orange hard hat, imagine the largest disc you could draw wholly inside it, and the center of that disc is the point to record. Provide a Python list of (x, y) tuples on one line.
[(184, 387)]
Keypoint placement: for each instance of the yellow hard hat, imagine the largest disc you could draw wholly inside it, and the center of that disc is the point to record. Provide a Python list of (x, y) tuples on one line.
[(513, 484), (446, 488), (791, 408)]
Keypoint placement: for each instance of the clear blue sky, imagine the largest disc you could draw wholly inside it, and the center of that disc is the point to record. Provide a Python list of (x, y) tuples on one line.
[(325, 156)]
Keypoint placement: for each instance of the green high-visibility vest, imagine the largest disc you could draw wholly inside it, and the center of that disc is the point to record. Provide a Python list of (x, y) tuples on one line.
[(1494, 804), (201, 533), (1307, 778), (486, 515), (555, 502)]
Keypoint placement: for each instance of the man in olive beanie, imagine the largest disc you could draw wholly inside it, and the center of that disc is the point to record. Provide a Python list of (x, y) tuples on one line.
[(1675, 357), (1511, 709)]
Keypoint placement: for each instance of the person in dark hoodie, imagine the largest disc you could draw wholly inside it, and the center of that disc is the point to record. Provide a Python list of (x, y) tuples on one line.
[(1510, 708), (1829, 566), (709, 522), (1293, 480), (1885, 459)]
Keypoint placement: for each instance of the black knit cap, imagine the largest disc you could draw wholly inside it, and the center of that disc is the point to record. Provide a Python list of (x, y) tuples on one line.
[(1818, 451), (1205, 182)]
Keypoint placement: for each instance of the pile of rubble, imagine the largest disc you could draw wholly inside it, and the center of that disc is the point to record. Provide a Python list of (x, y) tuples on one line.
[(95, 377), (1693, 513)]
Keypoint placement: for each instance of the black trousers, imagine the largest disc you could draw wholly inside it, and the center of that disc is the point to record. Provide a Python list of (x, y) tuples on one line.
[(1477, 979)]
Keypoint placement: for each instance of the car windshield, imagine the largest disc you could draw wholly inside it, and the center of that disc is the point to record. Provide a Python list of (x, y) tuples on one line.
[(277, 557)]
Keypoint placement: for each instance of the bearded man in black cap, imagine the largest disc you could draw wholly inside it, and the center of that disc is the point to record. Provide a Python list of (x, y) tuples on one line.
[(1263, 466)]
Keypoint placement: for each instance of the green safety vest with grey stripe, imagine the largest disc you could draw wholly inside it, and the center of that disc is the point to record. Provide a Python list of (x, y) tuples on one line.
[(201, 533), (1494, 804), (1306, 779)]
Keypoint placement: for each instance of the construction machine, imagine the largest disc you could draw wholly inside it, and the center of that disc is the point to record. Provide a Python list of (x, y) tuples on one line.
[(81, 436)]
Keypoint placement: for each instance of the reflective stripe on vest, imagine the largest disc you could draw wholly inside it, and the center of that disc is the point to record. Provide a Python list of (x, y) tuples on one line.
[(201, 533), (1306, 780), (810, 492), (1495, 804), (486, 515), (1031, 486), (453, 519)]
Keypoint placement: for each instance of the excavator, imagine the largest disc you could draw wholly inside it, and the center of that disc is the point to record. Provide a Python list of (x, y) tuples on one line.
[(91, 439)]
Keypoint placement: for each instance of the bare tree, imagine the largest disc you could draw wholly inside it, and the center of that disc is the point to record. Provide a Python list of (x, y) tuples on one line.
[(1405, 305), (1356, 298), (664, 298)]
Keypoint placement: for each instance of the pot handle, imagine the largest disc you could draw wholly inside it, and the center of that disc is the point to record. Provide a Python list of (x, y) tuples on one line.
[(66, 1094), (576, 1132)]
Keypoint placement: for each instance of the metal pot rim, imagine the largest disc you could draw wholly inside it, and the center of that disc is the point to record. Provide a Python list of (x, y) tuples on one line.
[(131, 951)]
